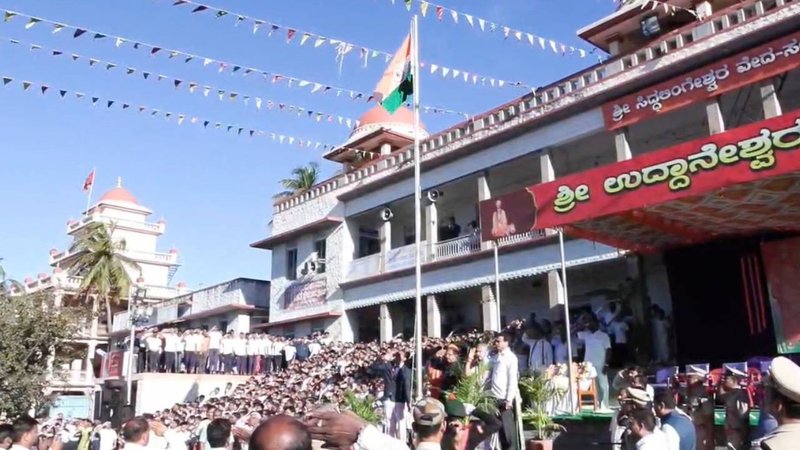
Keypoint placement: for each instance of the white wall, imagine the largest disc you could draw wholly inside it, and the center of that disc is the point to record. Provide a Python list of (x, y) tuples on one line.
[(657, 282), (162, 391)]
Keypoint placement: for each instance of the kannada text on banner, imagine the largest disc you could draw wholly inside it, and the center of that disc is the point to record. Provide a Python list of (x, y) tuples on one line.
[(751, 66), (759, 150)]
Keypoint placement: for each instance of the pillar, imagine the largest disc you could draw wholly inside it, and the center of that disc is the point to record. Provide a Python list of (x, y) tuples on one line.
[(347, 332), (90, 348), (434, 316), (484, 193), (491, 321), (386, 333), (622, 145), (548, 174), (431, 228), (716, 122), (555, 289), (615, 48), (349, 244), (386, 149), (769, 99), (385, 233)]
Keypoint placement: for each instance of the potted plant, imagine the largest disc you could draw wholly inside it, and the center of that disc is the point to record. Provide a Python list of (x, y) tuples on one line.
[(538, 396), (471, 389), (362, 407)]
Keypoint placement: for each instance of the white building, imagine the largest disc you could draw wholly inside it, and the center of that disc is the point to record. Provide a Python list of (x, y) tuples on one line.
[(153, 271), (337, 265)]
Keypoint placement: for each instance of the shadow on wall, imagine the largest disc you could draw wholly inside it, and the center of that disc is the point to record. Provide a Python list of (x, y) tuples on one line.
[(193, 393)]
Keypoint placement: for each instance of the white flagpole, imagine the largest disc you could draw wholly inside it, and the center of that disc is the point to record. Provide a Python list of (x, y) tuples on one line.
[(573, 406), (91, 189), (417, 208)]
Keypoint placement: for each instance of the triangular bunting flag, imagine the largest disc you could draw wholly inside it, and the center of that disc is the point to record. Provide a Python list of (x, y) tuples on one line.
[(221, 14), (109, 103), (130, 71), (145, 74), (434, 67), (553, 46), (290, 34), (44, 89), (125, 106), (423, 8), (155, 50), (541, 42), (319, 41), (118, 41), (469, 20), (207, 61), (8, 15), (316, 88), (445, 71), (258, 102), (454, 15), (95, 100), (57, 53), (110, 66), (482, 24), (32, 22), (99, 36), (273, 29), (92, 62), (78, 33), (205, 123), (206, 90), (506, 32), (192, 87), (239, 19), (304, 38), (530, 38), (408, 5), (57, 27), (177, 83), (62, 92), (439, 12), (256, 25), (518, 35), (200, 8)]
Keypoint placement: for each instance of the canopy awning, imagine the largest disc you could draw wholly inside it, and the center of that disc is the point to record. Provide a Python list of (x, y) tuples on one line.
[(744, 181)]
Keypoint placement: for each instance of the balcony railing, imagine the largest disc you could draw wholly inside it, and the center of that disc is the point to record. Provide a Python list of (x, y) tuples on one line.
[(556, 96), (450, 248), (158, 228), (522, 237), (72, 378), (159, 257)]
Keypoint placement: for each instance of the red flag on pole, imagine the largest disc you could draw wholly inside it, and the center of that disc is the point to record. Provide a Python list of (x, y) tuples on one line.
[(87, 185)]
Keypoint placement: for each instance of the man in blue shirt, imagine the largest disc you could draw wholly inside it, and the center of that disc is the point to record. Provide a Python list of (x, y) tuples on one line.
[(675, 424)]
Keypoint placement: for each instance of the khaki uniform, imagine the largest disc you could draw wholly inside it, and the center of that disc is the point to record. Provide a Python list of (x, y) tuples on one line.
[(785, 437)]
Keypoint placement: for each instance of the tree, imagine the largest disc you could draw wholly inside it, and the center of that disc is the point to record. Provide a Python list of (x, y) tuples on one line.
[(303, 178), (103, 267), (32, 332), (8, 286)]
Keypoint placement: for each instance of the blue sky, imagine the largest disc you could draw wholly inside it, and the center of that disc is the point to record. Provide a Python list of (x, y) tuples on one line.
[(214, 189)]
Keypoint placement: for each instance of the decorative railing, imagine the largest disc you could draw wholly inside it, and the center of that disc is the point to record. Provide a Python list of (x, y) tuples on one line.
[(450, 248), (169, 258), (364, 267), (547, 99), (132, 224)]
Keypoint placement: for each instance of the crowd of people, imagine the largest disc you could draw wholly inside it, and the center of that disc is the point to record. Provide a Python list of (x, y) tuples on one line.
[(212, 351)]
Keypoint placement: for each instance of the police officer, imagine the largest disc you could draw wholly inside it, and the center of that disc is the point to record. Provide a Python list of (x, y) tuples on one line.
[(700, 406), (783, 401)]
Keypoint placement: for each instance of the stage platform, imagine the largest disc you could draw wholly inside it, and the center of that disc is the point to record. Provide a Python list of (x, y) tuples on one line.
[(158, 391)]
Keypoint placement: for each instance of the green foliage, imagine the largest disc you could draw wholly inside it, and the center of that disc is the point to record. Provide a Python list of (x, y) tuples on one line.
[(103, 268), (362, 407), (32, 332), (537, 394), (303, 178), (471, 388)]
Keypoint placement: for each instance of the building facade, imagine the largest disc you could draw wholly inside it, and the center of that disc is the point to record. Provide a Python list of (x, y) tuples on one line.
[(343, 253)]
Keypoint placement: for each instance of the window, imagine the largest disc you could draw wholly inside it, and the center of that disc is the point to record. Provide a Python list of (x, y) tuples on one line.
[(318, 326), (319, 249), (291, 264)]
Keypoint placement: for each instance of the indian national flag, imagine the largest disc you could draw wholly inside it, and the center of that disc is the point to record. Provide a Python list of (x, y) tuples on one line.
[(396, 85)]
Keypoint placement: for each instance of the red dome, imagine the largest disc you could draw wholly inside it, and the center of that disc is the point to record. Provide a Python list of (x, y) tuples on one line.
[(379, 115), (119, 194)]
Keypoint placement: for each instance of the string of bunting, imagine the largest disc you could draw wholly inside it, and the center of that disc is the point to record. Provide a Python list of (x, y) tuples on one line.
[(313, 87), (668, 8), (179, 118), (193, 86), (485, 25), (343, 48)]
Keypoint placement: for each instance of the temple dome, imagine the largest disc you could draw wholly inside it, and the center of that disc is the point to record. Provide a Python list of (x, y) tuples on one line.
[(401, 122)]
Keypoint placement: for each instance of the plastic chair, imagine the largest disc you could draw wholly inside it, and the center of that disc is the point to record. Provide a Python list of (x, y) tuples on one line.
[(590, 392)]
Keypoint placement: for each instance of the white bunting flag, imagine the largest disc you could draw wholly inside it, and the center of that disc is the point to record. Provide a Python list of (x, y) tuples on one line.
[(482, 24), (305, 37), (434, 68), (518, 35), (553, 46), (423, 8), (456, 72), (256, 25), (466, 77), (316, 88), (207, 61), (319, 41), (303, 83), (530, 38), (469, 20), (445, 71), (491, 81), (118, 42), (541, 42), (506, 31), (258, 102), (180, 119), (454, 15), (206, 90), (582, 52), (501, 83)]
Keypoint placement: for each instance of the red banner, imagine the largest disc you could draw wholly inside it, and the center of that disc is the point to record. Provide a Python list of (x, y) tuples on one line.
[(113, 364), (305, 294), (782, 264), (751, 66), (760, 150)]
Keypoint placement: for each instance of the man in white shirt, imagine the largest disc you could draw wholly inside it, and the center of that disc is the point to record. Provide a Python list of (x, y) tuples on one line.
[(214, 346), (540, 353), (153, 343), (504, 388), (172, 344), (643, 428), (240, 351), (289, 350), (277, 354), (26, 433), (267, 344), (598, 349), (107, 436), (618, 328), (252, 353), (313, 348), (191, 344), (227, 353), (136, 434)]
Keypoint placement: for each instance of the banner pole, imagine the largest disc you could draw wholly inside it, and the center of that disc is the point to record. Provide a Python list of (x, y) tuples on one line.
[(573, 407)]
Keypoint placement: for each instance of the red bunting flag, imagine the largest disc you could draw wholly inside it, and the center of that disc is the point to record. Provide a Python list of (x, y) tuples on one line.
[(439, 12)]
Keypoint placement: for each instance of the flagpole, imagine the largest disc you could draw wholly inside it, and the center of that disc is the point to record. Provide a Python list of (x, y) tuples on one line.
[(91, 188), (417, 208)]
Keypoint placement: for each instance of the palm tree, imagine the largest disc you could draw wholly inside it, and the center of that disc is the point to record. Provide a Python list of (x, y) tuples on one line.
[(103, 267), (8, 286), (303, 178)]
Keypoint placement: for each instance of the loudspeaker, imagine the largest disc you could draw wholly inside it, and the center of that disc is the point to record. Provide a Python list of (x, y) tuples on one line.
[(386, 214), (433, 195)]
